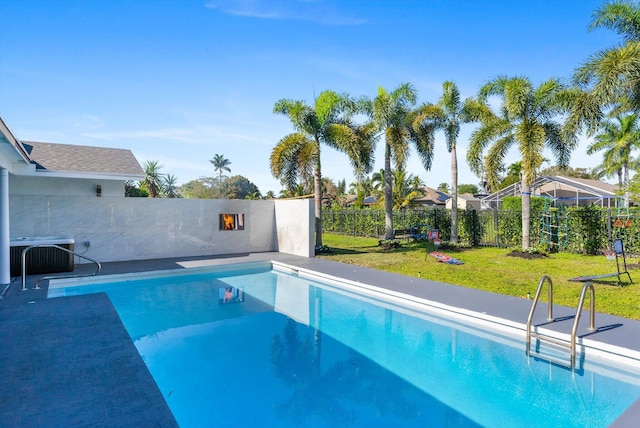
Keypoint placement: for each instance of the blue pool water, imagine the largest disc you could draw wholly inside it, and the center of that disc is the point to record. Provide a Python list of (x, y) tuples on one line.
[(280, 350)]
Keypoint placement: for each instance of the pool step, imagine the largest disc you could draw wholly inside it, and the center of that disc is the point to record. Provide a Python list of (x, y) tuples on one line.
[(552, 349)]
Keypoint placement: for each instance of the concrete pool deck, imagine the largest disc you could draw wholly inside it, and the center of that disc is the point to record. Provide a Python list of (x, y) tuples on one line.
[(70, 362)]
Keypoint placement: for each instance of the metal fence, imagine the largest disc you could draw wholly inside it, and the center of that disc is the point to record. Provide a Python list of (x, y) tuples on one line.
[(583, 230)]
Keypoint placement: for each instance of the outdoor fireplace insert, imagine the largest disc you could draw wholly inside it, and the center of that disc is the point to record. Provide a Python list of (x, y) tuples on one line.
[(231, 221)]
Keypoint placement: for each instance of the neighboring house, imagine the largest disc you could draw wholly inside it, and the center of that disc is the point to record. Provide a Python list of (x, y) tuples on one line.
[(568, 191), (466, 201), (432, 198)]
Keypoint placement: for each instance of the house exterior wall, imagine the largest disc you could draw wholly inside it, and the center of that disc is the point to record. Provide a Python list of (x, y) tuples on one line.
[(121, 229), (56, 186), (465, 204)]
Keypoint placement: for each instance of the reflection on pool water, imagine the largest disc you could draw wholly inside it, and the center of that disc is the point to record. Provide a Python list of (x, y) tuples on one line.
[(288, 351)]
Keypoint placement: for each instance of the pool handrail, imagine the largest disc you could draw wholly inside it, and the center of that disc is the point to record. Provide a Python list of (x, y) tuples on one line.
[(37, 284), (576, 321), (544, 279)]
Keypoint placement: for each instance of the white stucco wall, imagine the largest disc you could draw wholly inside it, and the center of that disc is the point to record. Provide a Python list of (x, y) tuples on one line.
[(465, 204), (121, 229), (294, 226), (56, 186)]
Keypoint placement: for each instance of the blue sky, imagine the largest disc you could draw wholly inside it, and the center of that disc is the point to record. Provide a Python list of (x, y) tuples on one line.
[(179, 81)]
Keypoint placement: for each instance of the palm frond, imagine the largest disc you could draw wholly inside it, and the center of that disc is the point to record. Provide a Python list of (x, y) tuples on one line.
[(493, 87), (491, 129), (423, 135), (623, 17), (431, 113), (531, 139), (494, 160), (559, 145), (477, 110), (613, 73), (450, 99), (327, 107), (518, 98), (547, 100), (584, 112), (396, 138), (293, 158)]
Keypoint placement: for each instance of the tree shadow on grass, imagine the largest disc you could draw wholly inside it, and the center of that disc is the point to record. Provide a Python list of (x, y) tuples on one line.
[(376, 249), (343, 251)]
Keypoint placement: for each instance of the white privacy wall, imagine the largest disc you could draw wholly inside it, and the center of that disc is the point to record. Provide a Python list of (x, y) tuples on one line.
[(295, 229), (120, 229)]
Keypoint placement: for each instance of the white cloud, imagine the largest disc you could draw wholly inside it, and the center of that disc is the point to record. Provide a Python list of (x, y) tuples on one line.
[(312, 11), (197, 135), (174, 134)]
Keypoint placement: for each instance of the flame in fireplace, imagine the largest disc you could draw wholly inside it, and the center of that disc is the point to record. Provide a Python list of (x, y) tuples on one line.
[(229, 221)]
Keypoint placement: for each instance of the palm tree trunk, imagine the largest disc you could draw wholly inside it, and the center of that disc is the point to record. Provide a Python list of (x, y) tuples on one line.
[(317, 183), (388, 194), (626, 184), (620, 184), (454, 195), (526, 211)]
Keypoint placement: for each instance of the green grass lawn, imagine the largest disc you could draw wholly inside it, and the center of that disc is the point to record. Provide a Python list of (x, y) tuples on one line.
[(491, 269)]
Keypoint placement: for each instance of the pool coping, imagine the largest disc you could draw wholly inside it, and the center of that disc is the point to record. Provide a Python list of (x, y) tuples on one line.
[(622, 333)]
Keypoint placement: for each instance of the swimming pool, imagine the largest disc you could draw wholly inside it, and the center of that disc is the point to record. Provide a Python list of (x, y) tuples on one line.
[(255, 346)]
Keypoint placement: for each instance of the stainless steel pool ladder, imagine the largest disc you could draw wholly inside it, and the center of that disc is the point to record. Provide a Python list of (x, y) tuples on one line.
[(37, 284), (559, 342)]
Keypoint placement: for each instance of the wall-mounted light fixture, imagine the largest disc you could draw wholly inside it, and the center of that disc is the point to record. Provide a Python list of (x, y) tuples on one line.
[(98, 190)]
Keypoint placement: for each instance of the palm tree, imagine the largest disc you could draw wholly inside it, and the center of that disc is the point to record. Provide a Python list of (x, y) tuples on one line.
[(220, 163), (363, 184), (170, 186), (613, 74), (618, 140), (361, 188), (293, 192), (447, 115), (610, 167), (152, 178), (443, 187), (326, 122), (415, 183), (254, 196), (406, 188), (391, 114), (514, 175), (525, 119), (377, 182)]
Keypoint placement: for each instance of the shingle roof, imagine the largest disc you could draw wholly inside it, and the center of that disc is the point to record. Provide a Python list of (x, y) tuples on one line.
[(83, 159), (432, 195), (468, 197)]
